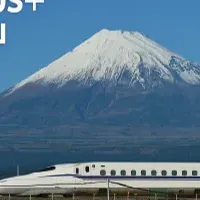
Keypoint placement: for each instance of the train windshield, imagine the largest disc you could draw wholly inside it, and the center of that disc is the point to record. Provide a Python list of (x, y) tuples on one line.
[(47, 169)]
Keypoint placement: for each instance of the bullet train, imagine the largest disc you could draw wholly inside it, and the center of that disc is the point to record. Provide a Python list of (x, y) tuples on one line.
[(95, 176)]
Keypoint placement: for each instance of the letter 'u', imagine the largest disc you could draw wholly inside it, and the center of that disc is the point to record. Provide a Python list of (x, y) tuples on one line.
[(3, 34)]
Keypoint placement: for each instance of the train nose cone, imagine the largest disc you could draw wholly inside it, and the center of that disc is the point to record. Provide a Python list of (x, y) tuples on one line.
[(3, 189), (10, 186), (6, 188)]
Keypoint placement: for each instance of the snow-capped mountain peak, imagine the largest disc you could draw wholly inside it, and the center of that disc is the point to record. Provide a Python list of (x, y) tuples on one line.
[(108, 55)]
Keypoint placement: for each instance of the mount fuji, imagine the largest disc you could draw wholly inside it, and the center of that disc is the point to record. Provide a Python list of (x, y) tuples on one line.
[(115, 77), (117, 57)]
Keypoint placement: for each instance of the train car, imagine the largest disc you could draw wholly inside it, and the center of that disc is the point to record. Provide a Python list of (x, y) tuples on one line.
[(95, 176)]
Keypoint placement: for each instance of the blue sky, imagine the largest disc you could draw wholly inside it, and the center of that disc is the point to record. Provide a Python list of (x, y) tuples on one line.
[(34, 39)]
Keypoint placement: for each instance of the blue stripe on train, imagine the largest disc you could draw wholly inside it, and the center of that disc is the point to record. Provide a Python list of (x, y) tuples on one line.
[(123, 177)]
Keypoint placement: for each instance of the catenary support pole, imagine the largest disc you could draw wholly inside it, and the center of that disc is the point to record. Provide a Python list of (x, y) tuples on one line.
[(93, 196), (52, 196), (128, 194), (17, 170), (108, 191), (73, 196)]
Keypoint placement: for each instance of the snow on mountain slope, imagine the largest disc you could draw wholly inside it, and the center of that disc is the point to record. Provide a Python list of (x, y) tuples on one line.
[(108, 54)]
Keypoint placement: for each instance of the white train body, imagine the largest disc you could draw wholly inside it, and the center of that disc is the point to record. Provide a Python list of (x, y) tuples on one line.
[(66, 178)]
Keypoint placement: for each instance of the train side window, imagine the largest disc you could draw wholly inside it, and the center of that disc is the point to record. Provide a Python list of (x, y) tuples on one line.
[(153, 172), (123, 173), (143, 172), (87, 169), (93, 166), (194, 172), (133, 172), (184, 173), (102, 172), (112, 172), (174, 173), (77, 170), (164, 172)]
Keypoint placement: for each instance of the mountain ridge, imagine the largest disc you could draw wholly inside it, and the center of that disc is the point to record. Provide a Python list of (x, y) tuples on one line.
[(108, 55)]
